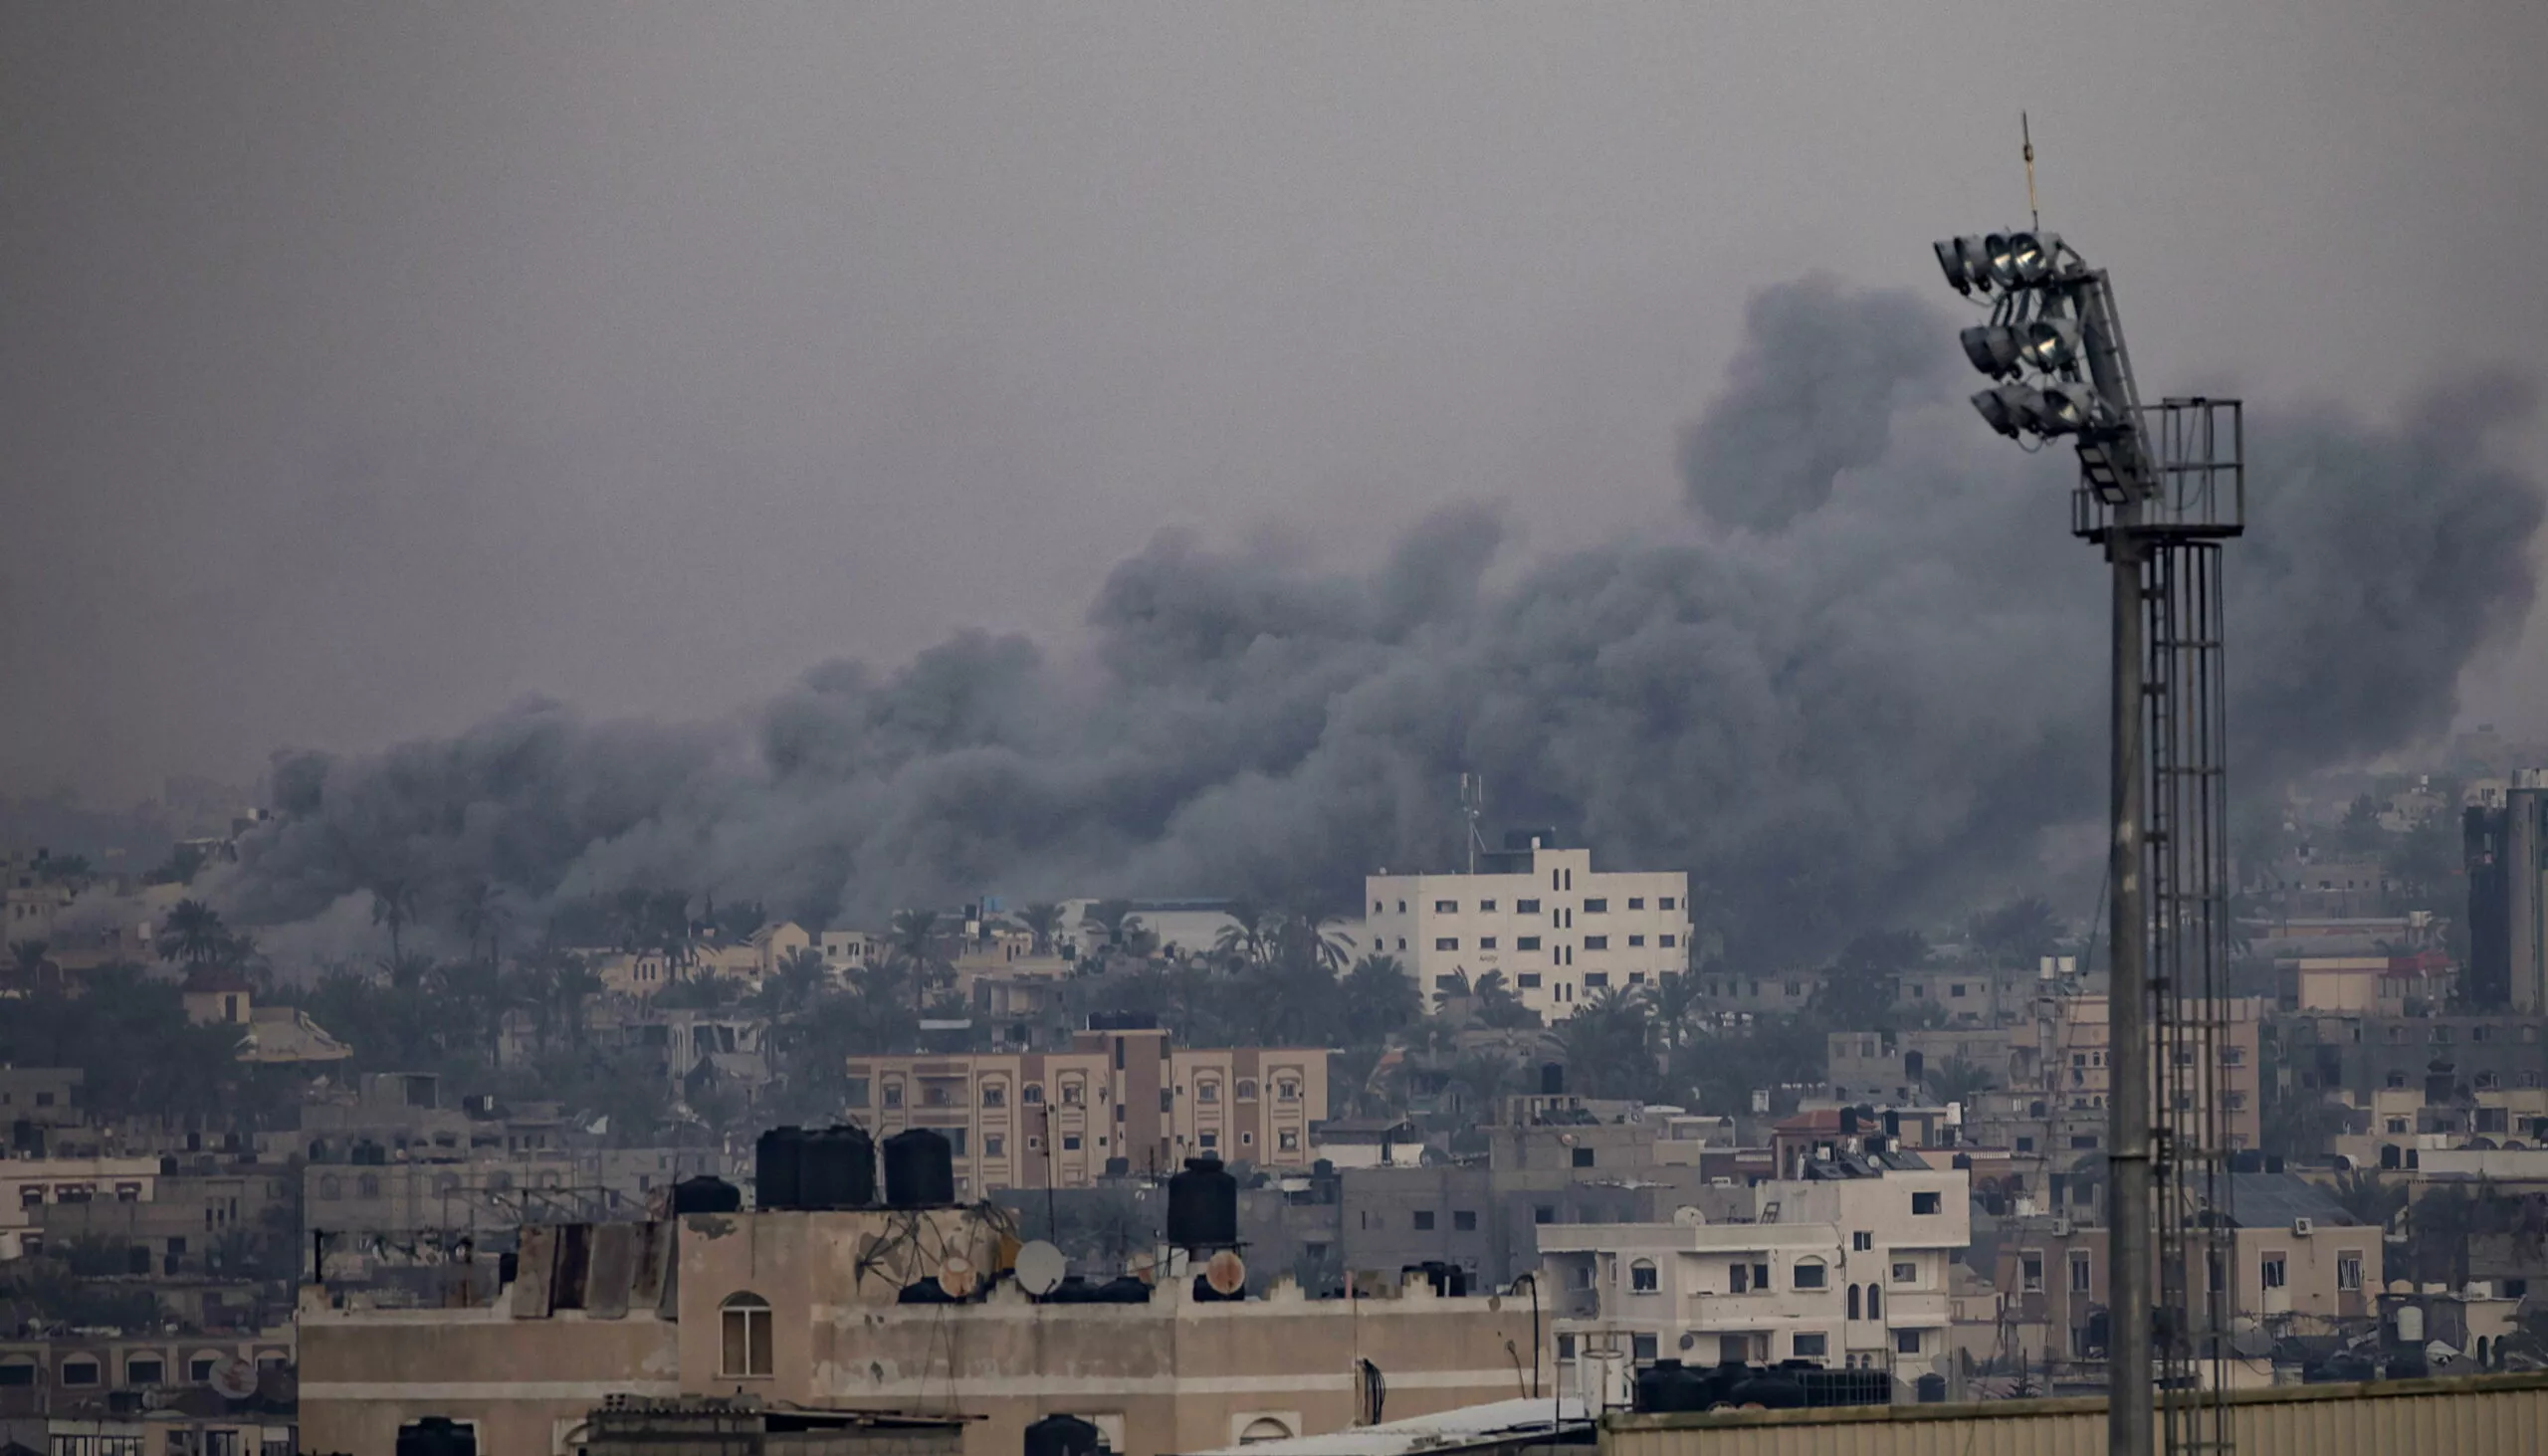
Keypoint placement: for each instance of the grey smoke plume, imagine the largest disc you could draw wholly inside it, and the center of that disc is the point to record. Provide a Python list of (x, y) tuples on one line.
[(1869, 677)]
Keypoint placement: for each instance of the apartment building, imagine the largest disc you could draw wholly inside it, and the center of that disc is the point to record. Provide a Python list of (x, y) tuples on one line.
[(1557, 929), (1847, 1267), (807, 1309), (1121, 1096), (28, 1184), (2060, 1059), (2297, 1261)]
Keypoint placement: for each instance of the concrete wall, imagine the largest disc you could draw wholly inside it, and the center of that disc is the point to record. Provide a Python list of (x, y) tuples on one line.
[(2482, 1415), (525, 1382)]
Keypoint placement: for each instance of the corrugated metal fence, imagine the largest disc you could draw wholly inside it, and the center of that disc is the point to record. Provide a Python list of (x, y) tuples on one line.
[(2475, 1416)]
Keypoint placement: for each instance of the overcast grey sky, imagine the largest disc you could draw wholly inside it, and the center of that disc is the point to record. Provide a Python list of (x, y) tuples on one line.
[(367, 367)]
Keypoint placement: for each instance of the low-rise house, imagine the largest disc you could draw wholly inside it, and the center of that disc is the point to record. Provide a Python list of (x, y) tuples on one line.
[(1846, 1267)]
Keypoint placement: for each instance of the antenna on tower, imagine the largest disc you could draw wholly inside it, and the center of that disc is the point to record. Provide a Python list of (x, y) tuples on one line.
[(2025, 133), (1472, 807)]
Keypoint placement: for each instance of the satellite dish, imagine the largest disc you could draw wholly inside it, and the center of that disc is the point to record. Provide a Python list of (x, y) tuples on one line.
[(1688, 1216), (956, 1276), (1040, 1268), (234, 1378), (1224, 1275)]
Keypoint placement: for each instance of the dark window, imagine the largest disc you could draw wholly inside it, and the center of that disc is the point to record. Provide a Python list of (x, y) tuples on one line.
[(144, 1370), (1543, 1213), (1596, 942), (1594, 981), (1527, 981), (1637, 902), (1641, 1277), (1667, 942), (1665, 903), (1425, 1218), (17, 1373), (1808, 1276), (1464, 1220), (80, 1370), (1582, 1157), (1526, 943), (1447, 943), (1812, 1345), (1526, 907), (1642, 1348), (1597, 907), (1926, 1203), (1446, 906)]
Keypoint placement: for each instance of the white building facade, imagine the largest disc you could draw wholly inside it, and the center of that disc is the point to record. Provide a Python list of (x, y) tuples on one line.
[(1848, 1271), (1559, 929)]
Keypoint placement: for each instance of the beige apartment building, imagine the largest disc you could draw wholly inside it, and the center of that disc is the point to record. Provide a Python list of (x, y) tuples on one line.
[(805, 1308), (1024, 1119), (2060, 1058)]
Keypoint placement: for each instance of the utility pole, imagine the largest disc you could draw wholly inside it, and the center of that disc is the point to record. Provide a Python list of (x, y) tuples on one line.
[(2129, 1248)]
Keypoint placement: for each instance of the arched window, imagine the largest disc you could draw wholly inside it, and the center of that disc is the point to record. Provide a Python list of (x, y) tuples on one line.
[(1265, 1428), (1875, 1302), (330, 1187), (17, 1371), (1810, 1273), (1034, 1092), (1641, 1278), (746, 1321), (1853, 1302), (1247, 1088)]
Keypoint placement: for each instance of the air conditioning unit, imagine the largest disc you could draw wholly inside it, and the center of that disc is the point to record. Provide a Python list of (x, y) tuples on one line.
[(2060, 1227), (2302, 1227)]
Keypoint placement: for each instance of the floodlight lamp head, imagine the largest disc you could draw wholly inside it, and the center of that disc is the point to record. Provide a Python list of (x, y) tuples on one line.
[(2032, 258), (1951, 263), (2050, 344), (1993, 348), (2071, 409), (2005, 408), (1975, 260), (1999, 259)]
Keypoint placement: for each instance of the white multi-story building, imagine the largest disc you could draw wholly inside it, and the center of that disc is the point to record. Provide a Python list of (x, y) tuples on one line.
[(1849, 1269), (1557, 929)]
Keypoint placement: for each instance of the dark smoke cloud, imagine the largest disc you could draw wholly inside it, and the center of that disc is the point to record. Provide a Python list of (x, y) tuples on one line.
[(1877, 692)]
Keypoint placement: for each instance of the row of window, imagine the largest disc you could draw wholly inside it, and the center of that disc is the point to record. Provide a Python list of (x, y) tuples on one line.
[(31, 1194), (994, 1091), (1532, 942), (19, 1372), (1599, 904), (1801, 1344), (2272, 1271)]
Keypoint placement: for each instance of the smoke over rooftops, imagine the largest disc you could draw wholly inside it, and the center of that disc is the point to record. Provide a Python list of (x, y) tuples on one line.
[(1867, 676)]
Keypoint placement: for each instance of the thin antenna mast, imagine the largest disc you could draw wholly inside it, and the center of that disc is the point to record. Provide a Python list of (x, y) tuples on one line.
[(1472, 806), (2025, 133)]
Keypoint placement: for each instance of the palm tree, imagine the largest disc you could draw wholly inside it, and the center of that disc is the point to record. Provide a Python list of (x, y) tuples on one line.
[(1380, 999), (1959, 1080), (1499, 1005), (1308, 933), (478, 908), (913, 950), (799, 978), (193, 934), (1110, 915), (1040, 920), (1609, 1045), (1672, 999), (1244, 939), (393, 904)]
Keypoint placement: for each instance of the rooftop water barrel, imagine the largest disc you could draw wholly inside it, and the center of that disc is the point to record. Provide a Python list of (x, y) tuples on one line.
[(919, 1170), (706, 1195), (1202, 1206), (778, 1169), (1063, 1435), (838, 1169)]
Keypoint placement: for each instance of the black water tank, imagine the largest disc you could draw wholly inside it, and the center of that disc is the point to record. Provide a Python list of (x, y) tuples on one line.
[(839, 1169), (779, 1164), (1202, 1206), (1057, 1435), (919, 1170), (1771, 1389), (1668, 1385), (1931, 1388), (703, 1194), (436, 1436)]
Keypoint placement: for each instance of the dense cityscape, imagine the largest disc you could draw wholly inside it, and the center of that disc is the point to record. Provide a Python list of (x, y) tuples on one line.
[(941, 734)]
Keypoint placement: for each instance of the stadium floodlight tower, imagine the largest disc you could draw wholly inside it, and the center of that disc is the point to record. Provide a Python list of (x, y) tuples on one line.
[(2160, 488)]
